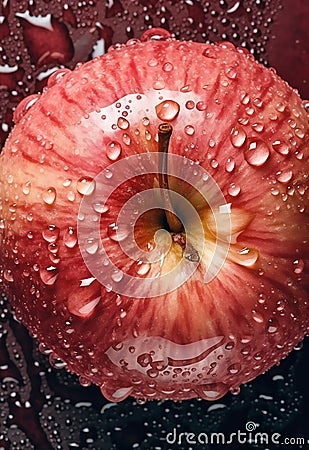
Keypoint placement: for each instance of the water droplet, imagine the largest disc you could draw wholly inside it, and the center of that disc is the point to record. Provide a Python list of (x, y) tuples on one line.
[(280, 107), (168, 67), (230, 165), (145, 121), (156, 34), (210, 52), (8, 275), (44, 349), (142, 268), (189, 130), (113, 150), (281, 147), (258, 102), (56, 76), (51, 233), (298, 266), (100, 208), (27, 188), (159, 84), (118, 233), (214, 163), (256, 153), (190, 104), (186, 88), (24, 106), (117, 395), (284, 176), (233, 190), (89, 307), (234, 368), (246, 257), (238, 136), (245, 99), (117, 276), (122, 123), (55, 361), (126, 139), (85, 186), (299, 133), (235, 390), (231, 73), (201, 106), (258, 127), (84, 381), (70, 237), (49, 275), (92, 246), (49, 196), (67, 182), (230, 345), (167, 110), (272, 326), (211, 391), (257, 317)]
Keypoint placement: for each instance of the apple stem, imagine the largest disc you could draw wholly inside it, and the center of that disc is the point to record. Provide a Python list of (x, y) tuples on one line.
[(164, 133)]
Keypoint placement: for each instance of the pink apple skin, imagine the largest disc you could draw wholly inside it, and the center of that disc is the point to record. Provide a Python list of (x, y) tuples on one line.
[(249, 130)]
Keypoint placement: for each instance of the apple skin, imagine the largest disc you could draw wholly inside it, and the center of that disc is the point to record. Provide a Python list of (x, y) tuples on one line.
[(200, 340)]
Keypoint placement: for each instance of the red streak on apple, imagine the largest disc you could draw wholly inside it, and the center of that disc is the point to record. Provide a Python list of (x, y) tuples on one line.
[(232, 117)]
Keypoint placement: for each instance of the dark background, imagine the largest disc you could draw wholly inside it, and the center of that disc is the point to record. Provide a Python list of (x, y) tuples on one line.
[(42, 407)]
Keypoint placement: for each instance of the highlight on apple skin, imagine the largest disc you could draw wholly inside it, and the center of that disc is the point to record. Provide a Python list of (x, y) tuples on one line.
[(154, 222)]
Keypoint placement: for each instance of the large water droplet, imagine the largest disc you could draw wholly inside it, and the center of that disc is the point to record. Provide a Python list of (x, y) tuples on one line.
[(238, 136), (113, 150), (167, 110), (155, 34), (49, 196), (49, 275), (233, 190), (122, 123), (85, 185), (257, 317), (118, 233), (8, 275), (51, 233), (284, 176), (56, 76), (27, 188), (24, 106), (87, 309), (70, 237), (234, 368), (256, 153), (92, 246), (231, 73), (246, 257), (189, 130), (100, 208), (142, 268), (281, 147), (117, 276), (298, 266), (230, 165)]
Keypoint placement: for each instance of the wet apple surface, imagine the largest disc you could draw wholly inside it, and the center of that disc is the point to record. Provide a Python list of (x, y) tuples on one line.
[(172, 317), (16, 373)]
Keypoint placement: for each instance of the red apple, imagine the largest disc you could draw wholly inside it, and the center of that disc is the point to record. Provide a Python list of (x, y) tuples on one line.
[(153, 218)]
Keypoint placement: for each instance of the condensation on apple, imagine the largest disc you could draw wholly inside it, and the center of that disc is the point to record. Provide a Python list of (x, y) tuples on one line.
[(153, 219)]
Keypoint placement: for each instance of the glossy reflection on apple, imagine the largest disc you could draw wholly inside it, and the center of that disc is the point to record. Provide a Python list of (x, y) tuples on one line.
[(153, 219)]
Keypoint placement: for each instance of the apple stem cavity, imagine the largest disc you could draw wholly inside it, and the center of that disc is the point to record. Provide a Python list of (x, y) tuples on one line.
[(164, 132)]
